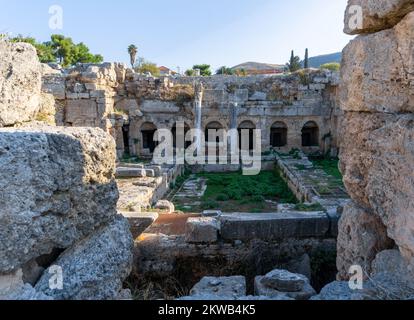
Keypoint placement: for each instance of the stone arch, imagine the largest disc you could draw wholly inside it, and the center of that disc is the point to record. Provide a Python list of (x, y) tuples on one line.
[(310, 134), (213, 125), (247, 125), (148, 130), (278, 134)]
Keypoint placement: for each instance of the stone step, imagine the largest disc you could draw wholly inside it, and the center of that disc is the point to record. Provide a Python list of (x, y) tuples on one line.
[(274, 226)]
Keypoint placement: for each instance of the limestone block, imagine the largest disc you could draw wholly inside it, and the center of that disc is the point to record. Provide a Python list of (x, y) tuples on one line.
[(377, 15), (233, 287), (361, 236), (80, 111), (273, 226), (202, 230), (62, 188), (211, 213), (20, 83), (258, 96), (95, 268), (139, 221), (378, 71), (13, 288), (149, 173), (284, 280), (377, 162), (338, 290), (130, 172), (261, 289), (154, 106), (165, 205)]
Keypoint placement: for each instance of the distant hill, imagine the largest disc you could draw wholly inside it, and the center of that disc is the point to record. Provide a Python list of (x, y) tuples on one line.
[(316, 62), (257, 66), (268, 68)]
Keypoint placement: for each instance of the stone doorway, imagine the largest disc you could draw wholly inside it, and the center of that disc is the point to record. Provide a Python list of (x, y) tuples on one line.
[(310, 135), (278, 135)]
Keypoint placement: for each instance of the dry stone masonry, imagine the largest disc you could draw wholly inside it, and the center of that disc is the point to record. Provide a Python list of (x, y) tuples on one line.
[(293, 111)]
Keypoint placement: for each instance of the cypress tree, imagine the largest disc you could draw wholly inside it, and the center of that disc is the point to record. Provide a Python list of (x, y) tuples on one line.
[(306, 64)]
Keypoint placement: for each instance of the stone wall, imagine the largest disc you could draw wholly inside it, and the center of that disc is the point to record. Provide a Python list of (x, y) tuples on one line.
[(377, 155), (123, 103), (19, 68)]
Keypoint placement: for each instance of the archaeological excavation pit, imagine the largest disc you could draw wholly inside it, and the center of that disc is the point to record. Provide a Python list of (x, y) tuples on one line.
[(223, 224)]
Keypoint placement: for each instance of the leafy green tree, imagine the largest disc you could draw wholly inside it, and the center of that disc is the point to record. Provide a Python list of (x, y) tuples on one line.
[(225, 71), (333, 66), (294, 63), (241, 72), (61, 49), (306, 62), (147, 66), (205, 70), (133, 51), (190, 73)]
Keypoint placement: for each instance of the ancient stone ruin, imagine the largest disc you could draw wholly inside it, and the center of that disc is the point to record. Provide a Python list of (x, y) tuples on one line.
[(87, 213)]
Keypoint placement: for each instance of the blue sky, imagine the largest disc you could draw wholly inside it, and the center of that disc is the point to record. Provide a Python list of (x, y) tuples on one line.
[(186, 32)]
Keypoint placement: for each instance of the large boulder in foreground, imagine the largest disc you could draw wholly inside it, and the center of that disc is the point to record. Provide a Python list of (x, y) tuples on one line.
[(57, 187), (20, 83), (94, 268), (377, 161), (377, 15), (361, 236)]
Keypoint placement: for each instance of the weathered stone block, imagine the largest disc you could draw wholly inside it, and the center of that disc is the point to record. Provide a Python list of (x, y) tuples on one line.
[(261, 289), (165, 205), (361, 236), (20, 83), (377, 162), (130, 173), (234, 287), (377, 15), (95, 268), (377, 71), (273, 226), (202, 230), (62, 188), (283, 280), (139, 221)]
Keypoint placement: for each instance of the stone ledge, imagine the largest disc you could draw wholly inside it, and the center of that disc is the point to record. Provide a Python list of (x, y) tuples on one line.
[(139, 222), (274, 226)]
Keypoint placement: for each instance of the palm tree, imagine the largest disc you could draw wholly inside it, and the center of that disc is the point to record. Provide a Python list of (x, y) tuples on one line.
[(133, 51)]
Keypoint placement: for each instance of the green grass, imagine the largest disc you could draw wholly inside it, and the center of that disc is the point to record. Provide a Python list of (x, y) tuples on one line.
[(330, 166), (246, 189)]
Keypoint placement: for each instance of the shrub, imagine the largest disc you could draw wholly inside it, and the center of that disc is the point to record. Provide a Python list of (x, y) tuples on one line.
[(333, 66), (223, 197)]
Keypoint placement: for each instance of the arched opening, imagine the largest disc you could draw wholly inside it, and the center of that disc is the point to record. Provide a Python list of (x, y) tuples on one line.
[(148, 130), (215, 125), (125, 134), (310, 134), (174, 133), (278, 135), (247, 125)]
